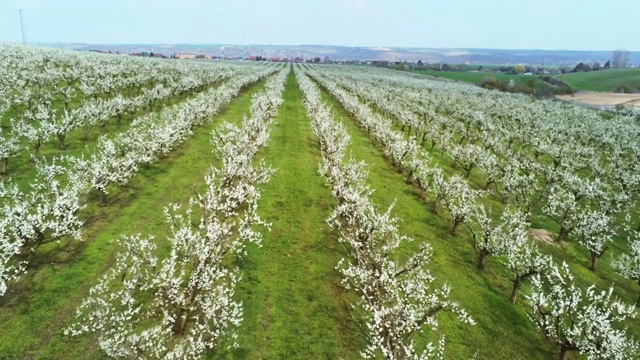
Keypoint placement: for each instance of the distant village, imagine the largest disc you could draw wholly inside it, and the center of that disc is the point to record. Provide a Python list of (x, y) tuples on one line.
[(508, 68), (298, 59)]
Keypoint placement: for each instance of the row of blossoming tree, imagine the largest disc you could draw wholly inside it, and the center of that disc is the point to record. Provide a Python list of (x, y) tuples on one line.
[(49, 209), (397, 299), (549, 160), (46, 94), (571, 318), (178, 306)]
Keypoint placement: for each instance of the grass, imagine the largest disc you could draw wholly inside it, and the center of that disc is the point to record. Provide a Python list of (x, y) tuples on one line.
[(604, 80), (294, 304), (42, 303)]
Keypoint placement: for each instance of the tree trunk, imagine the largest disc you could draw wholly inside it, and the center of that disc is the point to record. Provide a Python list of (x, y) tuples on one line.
[(516, 287), (454, 230), (562, 234), (36, 148), (481, 258), (183, 322), (468, 172), (594, 261), (410, 177), (564, 353), (5, 161), (435, 208)]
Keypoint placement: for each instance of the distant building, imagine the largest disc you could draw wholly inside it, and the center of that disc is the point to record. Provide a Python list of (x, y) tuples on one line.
[(187, 56)]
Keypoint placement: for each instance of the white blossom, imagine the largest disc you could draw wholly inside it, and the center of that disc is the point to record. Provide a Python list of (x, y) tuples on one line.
[(580, 320)]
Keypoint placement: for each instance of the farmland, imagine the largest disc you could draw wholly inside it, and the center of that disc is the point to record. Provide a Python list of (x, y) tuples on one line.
[(305, 211), (604, 81), (603, 99)]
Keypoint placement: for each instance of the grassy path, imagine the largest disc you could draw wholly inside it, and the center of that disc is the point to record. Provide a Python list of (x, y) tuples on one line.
[(290, 290), (484, 295), (33, 318)]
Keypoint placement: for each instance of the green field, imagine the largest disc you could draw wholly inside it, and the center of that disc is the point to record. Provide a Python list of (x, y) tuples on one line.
[(475, 77), (605, 80), (295, 306)]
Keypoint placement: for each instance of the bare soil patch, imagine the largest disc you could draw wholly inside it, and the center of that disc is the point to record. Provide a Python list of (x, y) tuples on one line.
[(541, 235), (602, 99)]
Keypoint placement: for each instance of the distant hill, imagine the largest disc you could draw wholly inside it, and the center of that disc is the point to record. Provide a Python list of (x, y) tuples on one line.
[(431, 55)]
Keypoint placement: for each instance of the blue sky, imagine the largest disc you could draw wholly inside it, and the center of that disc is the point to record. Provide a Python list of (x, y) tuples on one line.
[(513, 24)]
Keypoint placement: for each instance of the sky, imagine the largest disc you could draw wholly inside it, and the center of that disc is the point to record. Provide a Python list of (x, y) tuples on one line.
[(498, 24)]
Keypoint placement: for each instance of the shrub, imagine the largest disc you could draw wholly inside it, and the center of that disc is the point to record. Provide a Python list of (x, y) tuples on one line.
[(565, 90), (490, 82), (624, 89)]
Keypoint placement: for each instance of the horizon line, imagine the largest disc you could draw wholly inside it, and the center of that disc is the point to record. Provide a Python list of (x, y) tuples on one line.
[(326, 45)]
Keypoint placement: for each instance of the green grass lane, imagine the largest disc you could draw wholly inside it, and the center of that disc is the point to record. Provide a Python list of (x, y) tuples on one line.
[(502, 330), (294, 304), (33, 316)]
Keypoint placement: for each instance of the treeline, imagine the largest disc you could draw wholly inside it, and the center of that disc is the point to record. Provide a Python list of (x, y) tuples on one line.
[(558, 88), (506, 69)]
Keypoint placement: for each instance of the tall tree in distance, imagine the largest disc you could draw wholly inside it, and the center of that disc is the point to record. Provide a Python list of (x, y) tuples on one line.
[(620, 58)]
